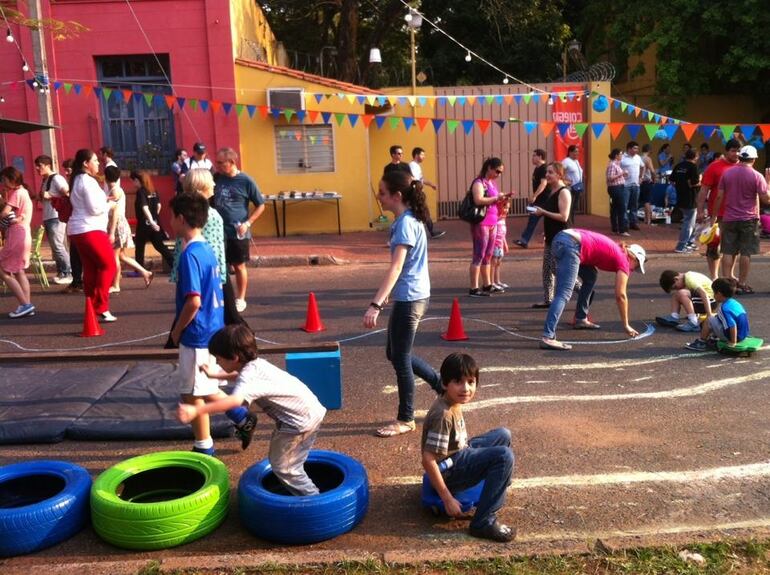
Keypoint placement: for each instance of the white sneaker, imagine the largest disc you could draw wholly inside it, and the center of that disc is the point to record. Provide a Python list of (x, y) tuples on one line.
[(62, 280), (108, 317), (240, 305)]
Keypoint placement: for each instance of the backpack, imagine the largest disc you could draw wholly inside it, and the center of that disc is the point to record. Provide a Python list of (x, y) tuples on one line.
[(469, 211), (61, 204)]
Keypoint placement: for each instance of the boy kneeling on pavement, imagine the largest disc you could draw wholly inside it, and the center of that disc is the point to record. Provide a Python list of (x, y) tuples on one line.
[(465, 463)]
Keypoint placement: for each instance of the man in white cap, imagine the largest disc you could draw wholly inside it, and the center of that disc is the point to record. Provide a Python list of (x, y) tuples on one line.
[(739, 189)]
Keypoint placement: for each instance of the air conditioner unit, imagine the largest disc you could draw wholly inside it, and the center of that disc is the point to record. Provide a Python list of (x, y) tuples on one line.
[(293, 98)]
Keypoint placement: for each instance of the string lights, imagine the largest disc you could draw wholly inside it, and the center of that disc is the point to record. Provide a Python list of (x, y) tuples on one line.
[(9, 37), (468, 56)]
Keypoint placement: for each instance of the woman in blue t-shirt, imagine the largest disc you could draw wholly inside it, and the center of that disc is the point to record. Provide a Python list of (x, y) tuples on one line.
[(408, 285)]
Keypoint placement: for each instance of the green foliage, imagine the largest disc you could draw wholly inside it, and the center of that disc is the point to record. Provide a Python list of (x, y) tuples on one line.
[(701, 47)]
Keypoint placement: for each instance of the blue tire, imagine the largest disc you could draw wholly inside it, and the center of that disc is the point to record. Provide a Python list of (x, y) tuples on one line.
[(42, 503), (468, 498), (270, 513)]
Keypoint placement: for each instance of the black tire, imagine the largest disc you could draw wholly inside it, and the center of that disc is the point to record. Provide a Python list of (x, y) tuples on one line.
[(42, 503), (270, 513), (468, 498), (160, 500)]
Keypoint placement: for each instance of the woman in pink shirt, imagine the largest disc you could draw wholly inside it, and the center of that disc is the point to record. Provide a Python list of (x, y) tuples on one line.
[(15, 218), (583, 253)]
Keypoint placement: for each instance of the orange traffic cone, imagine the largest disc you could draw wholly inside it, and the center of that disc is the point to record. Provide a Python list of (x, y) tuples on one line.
[(455, 331), (313, 322), (91, 327)]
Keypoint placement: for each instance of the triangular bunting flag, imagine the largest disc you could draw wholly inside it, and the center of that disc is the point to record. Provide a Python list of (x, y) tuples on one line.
[(263, 111), (623, 106), (301, 115), (581, 128), (297, 135), (107, 93), (547, 128), (361, 99), (366, 119), (615, 129), (170, 100), (598, 128), (351, 98), (216, 105), (408, 123), (312, 140), (651, 130), (631, 109), (239, 109), (747, 131), (451, 125), (326, 116), (634, 130), (707, 130), (461, 100), (312, 115), (412, 100), (727, 131), (382, 100), (159, 100), (637, 111), (318, 97), (615, 104), (508, 98), (402, 101), (483, 125), (393, 122), (371, 100), (148, 98), (98, 92), (194, 103), (441, 100), (340, 117), (471, 100), (451, 100), (288, 113), (437, 123), (227, 106), (489, 99), (467, 126), (57, 85), (353, 118), (765, 129), (670, 130), (421, 123), (422, 100), (688, 130), (180, 102), (87, 88), (204, 104), (500, 123), (517, 98), (571, 97), (380, 120), (275, 113), (563, 128), (138, 97), (68, 87), (527, 98), (535, 98), (126, 94)]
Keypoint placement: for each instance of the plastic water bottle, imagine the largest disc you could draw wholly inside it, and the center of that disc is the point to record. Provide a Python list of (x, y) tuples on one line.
[(238, 233), (667, 212), (446, 464)]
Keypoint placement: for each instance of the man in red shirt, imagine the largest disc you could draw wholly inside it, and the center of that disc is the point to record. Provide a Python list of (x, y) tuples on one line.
[(708, 190)]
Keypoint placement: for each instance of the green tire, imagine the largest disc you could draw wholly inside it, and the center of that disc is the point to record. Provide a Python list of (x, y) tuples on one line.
[(160, 500)]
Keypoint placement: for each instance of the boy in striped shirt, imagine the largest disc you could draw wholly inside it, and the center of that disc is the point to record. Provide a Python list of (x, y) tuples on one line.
[(281, 396), (453, 463)]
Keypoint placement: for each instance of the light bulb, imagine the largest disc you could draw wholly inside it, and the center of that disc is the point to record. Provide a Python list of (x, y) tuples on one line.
[(408, 17), (468, 57), (42, 90), (25, 67), (550, 100), (34, 83), (2, 99), (505, 80), (9, 37)]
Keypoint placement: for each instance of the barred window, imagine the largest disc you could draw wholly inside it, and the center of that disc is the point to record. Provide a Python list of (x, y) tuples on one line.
[(301, 149)]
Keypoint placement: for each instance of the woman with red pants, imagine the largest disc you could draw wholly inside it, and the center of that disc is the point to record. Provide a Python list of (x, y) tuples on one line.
[(87, 230)]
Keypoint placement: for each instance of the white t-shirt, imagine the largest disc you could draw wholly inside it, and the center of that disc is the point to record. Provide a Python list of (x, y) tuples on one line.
[(89, 206), (280, 395), (632, 165), (572, 170), (58, 183), (204, 164), (416, 170)]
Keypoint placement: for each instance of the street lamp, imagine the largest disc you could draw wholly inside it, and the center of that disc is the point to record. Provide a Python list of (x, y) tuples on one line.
[(572, 46), (413, 22)]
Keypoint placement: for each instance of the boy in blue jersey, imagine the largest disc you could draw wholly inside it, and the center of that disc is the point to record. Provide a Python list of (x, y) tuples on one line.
[(199, 315), (730, 324)]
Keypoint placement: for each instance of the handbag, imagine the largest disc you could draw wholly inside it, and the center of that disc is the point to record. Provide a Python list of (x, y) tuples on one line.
[(63, 207), (469, 211)]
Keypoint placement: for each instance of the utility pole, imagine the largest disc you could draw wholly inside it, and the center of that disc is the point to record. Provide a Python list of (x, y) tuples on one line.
[(40, 66)]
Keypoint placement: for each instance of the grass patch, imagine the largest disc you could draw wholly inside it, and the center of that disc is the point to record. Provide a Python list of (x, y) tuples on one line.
[(734, 557)]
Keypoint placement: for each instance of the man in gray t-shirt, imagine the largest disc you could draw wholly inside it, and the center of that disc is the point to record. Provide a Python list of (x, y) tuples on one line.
[(54, 186)]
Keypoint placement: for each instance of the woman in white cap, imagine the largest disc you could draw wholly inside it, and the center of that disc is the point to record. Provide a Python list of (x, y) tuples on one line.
[(583, 253)]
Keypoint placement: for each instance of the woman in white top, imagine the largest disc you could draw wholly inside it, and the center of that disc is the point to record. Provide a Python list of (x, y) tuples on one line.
[(87, 230), (119, 231)]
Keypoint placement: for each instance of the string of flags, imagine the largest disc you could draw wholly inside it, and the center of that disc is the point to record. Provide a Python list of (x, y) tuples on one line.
[(656, 126)]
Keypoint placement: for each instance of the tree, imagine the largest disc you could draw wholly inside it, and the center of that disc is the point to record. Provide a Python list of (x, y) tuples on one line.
[(59, 29), (701, 47)]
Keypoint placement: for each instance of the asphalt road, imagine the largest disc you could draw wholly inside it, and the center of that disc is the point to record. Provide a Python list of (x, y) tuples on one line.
[(633, 441)]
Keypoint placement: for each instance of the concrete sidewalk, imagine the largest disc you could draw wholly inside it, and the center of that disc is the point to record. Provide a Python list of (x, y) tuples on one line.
[(371, 247)]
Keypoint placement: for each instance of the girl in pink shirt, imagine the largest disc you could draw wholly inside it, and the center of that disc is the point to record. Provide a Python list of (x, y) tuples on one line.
[(14, 257), (582, 253)]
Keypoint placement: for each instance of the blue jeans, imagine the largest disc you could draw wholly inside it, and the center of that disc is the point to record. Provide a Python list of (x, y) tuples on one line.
[(55, 230), (618, 208), (688, 226), (402, 328), (526, 235), (632, 191), (488, 457), (566, 253)]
